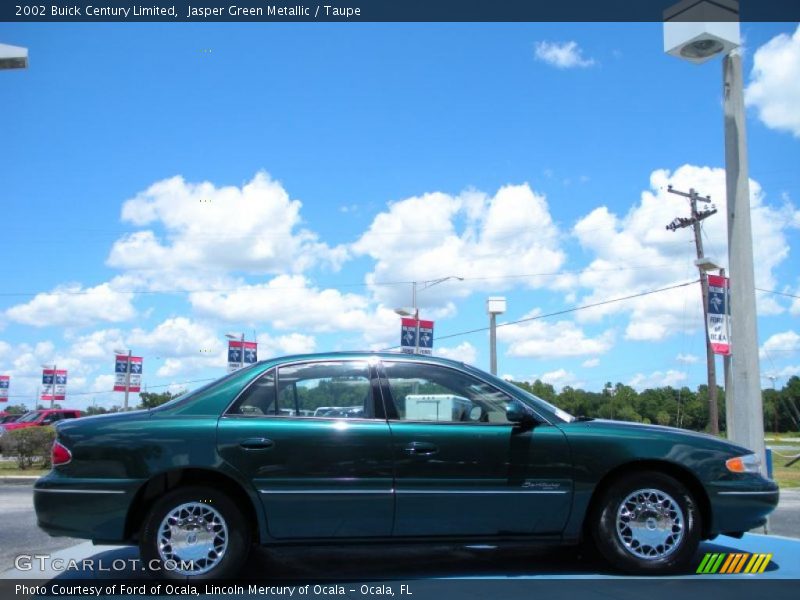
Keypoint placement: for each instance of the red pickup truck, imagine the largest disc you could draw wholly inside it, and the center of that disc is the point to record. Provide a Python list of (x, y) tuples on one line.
[(45, 416)]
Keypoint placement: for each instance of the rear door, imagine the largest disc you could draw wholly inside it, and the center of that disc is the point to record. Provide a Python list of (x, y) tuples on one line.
[(317, 476)]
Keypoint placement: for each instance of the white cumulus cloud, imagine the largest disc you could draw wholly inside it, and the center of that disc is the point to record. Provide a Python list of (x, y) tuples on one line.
[(472, 236), (204, 228), (656, 379), (687, 359), (287, 302), (72, 305), (780, 344), (561, 378), (464, 352), (562, 55), (774, 88), (552, 339), (635, 253)]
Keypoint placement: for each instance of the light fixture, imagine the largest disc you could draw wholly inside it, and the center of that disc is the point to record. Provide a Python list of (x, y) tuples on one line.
[(13, 57), (698, 30), (496, 305), (706, 264)]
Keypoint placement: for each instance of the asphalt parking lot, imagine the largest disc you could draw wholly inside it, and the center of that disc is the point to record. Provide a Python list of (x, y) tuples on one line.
[(19, 534)]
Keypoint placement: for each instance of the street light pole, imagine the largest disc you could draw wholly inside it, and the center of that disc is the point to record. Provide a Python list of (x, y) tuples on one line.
[(404, 312), (53, 389), (496, 305), (242, 353), (416, 315), (746, 402), (696, 31)]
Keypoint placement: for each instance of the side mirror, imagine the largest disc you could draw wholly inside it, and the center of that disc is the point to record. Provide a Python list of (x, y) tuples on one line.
[(475, 413), (517, 413)]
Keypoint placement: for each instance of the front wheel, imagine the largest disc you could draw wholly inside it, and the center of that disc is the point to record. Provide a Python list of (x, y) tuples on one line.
[(194, 533), (647, 523)]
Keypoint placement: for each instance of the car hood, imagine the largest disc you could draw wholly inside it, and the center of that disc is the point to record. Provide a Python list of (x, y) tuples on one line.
[(674, 433), (10, 426)]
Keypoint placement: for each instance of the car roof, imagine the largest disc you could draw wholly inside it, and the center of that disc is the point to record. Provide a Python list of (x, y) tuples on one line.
[(365, 354)]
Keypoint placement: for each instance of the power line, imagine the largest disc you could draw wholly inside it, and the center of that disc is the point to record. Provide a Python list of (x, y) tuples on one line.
[(778, 293), (561, 312)]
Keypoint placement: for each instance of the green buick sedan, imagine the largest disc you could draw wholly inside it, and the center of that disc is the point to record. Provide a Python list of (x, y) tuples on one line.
[(388, 448)]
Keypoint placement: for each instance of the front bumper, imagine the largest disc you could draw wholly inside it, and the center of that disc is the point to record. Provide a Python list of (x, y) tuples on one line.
[(94, 509), (739, 506)]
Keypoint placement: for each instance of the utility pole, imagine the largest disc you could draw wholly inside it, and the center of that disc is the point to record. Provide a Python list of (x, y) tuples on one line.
[(127, 379), (694, 221)]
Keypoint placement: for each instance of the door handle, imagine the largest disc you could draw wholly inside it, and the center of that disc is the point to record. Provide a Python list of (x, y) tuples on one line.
[(420, 449), (256, 444)]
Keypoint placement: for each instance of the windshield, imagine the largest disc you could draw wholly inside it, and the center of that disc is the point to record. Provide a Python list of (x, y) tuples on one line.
[(561, 414), (29, 417), (535, 401)]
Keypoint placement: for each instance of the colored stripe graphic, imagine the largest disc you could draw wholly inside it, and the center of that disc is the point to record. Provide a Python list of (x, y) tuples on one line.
[(724, 563)]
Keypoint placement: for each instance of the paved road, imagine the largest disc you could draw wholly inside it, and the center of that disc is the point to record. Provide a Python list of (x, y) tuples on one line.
[(785, 520), (18, 530)]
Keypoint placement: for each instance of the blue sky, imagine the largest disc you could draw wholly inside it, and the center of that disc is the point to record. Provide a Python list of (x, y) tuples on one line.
[(165, 184)]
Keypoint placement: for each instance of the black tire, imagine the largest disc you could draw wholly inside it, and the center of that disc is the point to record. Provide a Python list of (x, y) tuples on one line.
[(666, 539), (215, 521)]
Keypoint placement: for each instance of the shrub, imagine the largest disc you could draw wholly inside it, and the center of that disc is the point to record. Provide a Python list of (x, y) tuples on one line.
[(29, 445)]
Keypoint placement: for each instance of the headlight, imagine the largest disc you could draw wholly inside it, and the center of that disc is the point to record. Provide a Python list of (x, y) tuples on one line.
[(749, 463)]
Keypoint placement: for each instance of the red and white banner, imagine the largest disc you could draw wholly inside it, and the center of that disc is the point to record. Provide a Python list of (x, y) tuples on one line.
[(241, 354), (409, 343), (718, 318), (4, 381), (54, 384), (134, 384)]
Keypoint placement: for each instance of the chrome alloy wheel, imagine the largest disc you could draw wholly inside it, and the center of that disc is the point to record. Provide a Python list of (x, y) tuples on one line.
[(192, 539), (650, 524)]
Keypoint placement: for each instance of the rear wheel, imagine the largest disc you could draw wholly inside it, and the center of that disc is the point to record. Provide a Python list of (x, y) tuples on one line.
[(647, 522), (194, 533)]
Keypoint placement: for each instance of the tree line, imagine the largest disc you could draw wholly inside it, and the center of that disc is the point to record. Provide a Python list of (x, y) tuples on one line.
[(678, 407)]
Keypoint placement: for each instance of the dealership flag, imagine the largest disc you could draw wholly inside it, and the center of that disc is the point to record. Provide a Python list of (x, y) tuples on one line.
[(235, 350), (121, 370), (4, 379), (718, 319), (54, 384), (408, 336)]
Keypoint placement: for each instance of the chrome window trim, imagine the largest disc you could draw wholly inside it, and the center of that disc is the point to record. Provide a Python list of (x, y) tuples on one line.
[(759, 493), (410, 491), (306, 491), (78, 491), (401, 491)]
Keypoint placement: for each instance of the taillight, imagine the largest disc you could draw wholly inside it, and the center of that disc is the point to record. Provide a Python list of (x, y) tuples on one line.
[(60, 455)]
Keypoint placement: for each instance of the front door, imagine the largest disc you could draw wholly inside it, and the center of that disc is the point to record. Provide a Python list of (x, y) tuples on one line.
[(317, 447), (461, 468)]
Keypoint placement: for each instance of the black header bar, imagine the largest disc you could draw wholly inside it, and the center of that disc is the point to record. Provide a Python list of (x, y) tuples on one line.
[(353, 11)]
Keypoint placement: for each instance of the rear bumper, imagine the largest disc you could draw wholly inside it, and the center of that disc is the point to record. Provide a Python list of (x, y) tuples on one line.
[(83, 508), (742, 506)]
